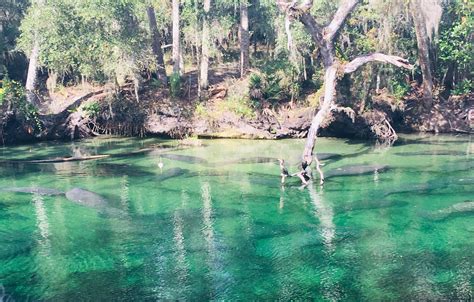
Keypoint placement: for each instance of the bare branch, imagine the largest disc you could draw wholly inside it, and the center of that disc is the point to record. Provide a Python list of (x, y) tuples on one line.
[(376, 57), (313, 28), (301, 12), (304, 6), (345, 8)]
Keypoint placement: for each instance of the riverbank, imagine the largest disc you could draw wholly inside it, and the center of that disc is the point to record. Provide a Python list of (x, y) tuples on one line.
[(224, 112)]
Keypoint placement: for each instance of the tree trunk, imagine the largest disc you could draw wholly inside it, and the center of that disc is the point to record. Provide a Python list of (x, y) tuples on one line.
[(329, 96), (176, 38), (324, 37), (32, 76), (244, 38), (423, 49), (156, 46), (204, 82)]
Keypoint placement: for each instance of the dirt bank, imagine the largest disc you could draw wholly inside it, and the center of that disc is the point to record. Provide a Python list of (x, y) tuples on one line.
[(89, 111)]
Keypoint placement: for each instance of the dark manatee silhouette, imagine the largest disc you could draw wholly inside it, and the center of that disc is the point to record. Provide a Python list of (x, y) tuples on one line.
[(456, 210), (253, 160), (34, 190), (421, 188), (355, 170), (432, 153), (170, 173), (324, 156), (86, 198), (364, 205), (93, 200), (184, 158)]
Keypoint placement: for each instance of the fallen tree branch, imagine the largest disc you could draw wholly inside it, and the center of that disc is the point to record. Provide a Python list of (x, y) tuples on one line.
[(58, 159), (376, 57)]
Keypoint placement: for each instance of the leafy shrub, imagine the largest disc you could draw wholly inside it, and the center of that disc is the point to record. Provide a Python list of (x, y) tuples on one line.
[(14, 93), (466, 86), (91, 109), (175, 85), (241, 106), (400, 89), (201, 111), (265, 87)]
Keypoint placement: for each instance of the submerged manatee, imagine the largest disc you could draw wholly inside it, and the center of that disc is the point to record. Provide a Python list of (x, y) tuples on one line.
[(432, 153), (363, 205), (254, 160), (34, 190), (86, 198), (170, 173), (185, 158), (355, 170), (324, 156), (458, 209)]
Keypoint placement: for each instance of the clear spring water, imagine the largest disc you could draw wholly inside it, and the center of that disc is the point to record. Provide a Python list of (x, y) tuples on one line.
[(224, 228)]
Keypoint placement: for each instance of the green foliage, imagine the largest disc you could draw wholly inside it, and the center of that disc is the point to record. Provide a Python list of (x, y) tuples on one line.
[(200, 111), (14, 93), (239, 105), (464, 87), (456, 45), (175, 85), (91, 109), (400, 89), (95, 39), (277, 80), (11, 13)]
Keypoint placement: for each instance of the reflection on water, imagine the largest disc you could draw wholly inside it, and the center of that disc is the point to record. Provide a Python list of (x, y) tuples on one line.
[(181, 264), (224, 228), (325, 215)]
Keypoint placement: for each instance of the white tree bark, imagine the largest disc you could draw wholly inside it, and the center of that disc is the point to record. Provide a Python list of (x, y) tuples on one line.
[(204, 81), (32, 77), (244, 38), (176, 38)]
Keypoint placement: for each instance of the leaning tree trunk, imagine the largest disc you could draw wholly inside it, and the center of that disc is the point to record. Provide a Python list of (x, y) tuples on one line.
[(176, 38), (156, 46), (204, 82), (324, 38), (423, 49), (32, 76), (244, 38)]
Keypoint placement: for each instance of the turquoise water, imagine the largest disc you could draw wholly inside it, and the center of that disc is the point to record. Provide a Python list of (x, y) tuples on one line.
[(216, 224)]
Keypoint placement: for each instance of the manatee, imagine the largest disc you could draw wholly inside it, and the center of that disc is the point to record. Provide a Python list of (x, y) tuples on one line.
[(370, 205), (86, 198), (324, 156), (254, 160), (355, 170), (409, 188), (185, 158), (432, 153), (113, 169), (457, 209), (170, 173), (34, 190)]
